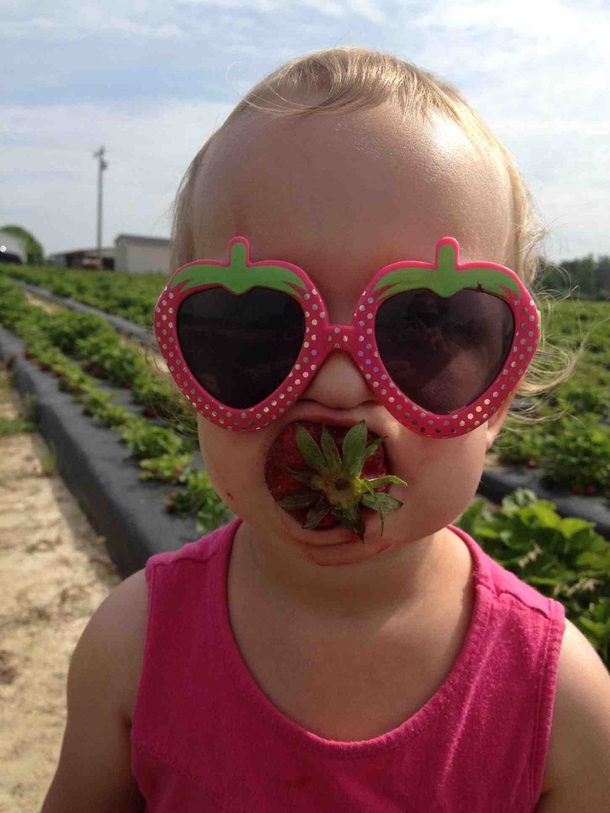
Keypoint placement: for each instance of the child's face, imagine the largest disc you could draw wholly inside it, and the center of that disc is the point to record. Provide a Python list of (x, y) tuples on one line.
[(341, 196)]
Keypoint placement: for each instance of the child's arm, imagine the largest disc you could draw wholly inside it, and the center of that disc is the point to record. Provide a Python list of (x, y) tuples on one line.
[(94, 772), (579, 750)]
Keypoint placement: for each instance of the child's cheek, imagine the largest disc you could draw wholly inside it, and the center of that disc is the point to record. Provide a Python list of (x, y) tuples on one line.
[(234, 462), (441, 473)]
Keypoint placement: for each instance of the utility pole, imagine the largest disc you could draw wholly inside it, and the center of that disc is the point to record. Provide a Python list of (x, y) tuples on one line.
[(101, 167)]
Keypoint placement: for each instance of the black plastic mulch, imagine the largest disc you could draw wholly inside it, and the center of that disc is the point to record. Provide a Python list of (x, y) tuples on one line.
[(97, 468)]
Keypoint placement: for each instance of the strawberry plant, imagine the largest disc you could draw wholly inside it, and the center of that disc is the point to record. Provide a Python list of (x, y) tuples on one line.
[(73, 380), (147, 441), (563, 558), (200, 498), (577, 454), (169, 468), (594, 623), (95, 402), (128, 295), (149, 390), (116, 363)]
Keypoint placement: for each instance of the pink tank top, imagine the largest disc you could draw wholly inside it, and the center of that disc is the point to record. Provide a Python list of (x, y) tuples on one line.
[(205, 738)]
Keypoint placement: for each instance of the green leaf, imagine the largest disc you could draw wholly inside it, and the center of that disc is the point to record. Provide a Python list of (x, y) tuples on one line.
[(353, 449), (571, 525), (373, 448), (317, 513), (297, 501), (384, 481), (544, 510), (381, 502), (470, 517), (597, 628), (372, 495), (350, 518), (301, 476), (330, 451), (310, 450)]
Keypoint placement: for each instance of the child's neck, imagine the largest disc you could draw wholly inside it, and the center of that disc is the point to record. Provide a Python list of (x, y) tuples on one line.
[(399, 580)]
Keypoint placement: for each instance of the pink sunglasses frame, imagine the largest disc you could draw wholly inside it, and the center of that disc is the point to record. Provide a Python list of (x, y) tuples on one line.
[(358, 339)]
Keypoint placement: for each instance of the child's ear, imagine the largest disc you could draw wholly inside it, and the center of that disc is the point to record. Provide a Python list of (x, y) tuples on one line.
[(494, 424)]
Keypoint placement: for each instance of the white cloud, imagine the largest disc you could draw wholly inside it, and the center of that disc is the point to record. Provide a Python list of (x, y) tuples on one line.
[(155, 19), (537, 73), (550, 24), (49, 176)]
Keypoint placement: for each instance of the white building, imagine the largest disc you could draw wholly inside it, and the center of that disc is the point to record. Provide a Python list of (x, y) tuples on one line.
[(12, 249), (140, 255), (131, 254)]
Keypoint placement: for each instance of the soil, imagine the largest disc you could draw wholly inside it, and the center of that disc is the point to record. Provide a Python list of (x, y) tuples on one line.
[(55, 573)]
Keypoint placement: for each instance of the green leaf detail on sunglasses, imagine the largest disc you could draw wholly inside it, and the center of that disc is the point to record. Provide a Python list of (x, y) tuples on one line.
[(445, 279), (240, 276), (337, 481)]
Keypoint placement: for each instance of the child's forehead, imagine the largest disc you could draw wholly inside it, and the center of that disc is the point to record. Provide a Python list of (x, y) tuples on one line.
[(341, 196)]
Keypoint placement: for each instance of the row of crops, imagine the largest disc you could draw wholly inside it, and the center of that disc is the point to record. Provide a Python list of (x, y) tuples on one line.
[(562, 558), (571, 444), (82, 352)]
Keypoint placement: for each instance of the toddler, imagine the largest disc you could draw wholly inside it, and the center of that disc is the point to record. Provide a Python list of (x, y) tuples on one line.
[(350, 313)]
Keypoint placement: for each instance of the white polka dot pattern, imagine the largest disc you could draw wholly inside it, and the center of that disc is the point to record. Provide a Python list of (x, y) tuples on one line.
[(322, 338)]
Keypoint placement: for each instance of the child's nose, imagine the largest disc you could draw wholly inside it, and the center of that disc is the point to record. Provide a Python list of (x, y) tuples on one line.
[(338, 383)]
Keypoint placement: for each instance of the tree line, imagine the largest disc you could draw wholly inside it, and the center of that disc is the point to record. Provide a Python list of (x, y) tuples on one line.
[(585, 278)]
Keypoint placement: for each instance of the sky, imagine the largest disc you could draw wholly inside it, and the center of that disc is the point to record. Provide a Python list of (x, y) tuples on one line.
[(151, 80)]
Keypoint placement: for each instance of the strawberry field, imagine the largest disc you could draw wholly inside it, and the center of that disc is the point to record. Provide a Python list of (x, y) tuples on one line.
[(571, 446), (563, 558)]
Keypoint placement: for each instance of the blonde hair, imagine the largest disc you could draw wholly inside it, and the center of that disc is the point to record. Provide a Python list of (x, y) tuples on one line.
[(344, 79)]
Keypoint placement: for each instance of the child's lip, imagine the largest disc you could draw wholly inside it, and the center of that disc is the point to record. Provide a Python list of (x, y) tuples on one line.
[(332, 417)]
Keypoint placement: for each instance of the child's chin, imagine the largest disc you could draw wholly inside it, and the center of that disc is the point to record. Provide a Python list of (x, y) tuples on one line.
[(338, 545)]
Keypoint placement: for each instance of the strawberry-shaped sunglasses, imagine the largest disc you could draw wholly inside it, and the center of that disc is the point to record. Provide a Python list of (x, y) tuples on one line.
[(441, 345)]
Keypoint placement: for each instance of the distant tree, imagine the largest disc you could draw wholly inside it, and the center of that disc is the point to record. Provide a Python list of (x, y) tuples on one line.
[(33, 248), (602, 275), (585, 277)]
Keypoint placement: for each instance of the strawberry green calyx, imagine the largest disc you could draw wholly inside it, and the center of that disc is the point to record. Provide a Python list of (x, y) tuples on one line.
[(334, 482)]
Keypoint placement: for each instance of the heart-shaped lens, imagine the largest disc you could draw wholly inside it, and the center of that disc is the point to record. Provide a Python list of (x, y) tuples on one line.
[(444, 352), (240, 348)]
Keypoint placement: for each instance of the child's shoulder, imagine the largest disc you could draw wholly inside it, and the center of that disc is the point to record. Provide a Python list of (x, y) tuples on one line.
[(200, 551), (505, 585), (118, 629), (577, 775), (127, 608)]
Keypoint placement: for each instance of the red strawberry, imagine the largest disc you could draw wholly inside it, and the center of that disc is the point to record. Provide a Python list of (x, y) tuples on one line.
[(150, 412), (577, 490), (531, 464), (590, 491), (322, 487)]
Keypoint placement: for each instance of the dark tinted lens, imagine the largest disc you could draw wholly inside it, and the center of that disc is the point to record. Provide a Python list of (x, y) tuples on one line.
[(240, 347), (443, 353)]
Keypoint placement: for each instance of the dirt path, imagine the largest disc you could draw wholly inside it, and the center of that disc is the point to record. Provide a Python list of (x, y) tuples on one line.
[(54, 574)]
